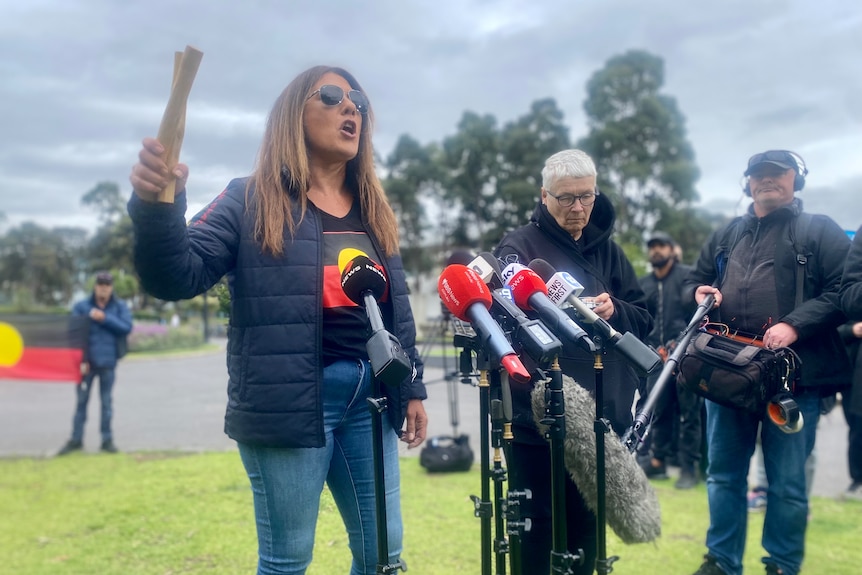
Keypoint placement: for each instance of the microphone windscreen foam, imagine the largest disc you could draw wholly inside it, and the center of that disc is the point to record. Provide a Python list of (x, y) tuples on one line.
[(459, 287), (631, 504), (362, 274), (543, 268), (524, 284)]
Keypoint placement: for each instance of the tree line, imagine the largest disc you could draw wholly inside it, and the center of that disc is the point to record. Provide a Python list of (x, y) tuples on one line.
[(463, 192)]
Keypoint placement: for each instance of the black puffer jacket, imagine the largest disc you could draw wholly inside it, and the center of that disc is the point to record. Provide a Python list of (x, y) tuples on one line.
[(824, 360), (274, 339), (610, 272)]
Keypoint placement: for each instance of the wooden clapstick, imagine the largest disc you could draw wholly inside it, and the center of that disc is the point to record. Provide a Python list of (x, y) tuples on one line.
[(172, 128)]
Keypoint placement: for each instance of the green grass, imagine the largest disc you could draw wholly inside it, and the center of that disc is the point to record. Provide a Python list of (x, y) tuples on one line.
[(174, 513), (200, 349)]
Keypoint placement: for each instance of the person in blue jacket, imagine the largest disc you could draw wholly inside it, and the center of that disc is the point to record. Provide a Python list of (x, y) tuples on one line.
[(110, 323), (298, 369)]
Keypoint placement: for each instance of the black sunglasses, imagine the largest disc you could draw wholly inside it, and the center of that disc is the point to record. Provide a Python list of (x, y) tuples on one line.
[(332, 95)]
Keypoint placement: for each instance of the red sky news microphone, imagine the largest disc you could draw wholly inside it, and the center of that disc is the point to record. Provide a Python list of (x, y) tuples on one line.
[(530, 293), (467, 297), (641, 357), (364, 282)]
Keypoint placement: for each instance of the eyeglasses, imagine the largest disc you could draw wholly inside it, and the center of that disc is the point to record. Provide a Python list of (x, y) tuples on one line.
[(568, 200), (332, 95)]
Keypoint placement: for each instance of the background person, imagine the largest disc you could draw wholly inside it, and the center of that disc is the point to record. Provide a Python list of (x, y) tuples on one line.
[(571, 230), (676, 428), (851, 400), (754, 260), (298, 370), (110, 323)]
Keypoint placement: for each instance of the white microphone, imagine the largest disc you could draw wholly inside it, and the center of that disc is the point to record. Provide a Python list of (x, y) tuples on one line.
[(485, 264), (563, 286), (642, 357)]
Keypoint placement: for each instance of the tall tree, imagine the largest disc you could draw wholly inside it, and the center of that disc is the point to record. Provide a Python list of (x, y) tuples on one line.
[(112, 244), (37, 266), (105, 198), (472, 163), (637, 137), (412, 185), (525, 144)]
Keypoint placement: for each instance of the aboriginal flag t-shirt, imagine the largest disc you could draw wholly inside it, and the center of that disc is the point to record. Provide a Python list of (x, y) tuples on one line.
[(345, 324)]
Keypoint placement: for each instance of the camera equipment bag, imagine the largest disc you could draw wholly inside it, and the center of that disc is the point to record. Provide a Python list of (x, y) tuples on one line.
[(445, 453), (736, 374)]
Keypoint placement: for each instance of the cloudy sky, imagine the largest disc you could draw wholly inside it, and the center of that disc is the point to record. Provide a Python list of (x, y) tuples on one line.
[(84, 80)]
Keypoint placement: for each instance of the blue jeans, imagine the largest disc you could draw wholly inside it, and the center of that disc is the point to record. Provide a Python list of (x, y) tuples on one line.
[(731, 435), (287, 483), (82, 391)]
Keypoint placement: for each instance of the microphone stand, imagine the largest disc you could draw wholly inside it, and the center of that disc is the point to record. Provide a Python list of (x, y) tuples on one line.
[(561, 559), (497, 401), (635, 436), (602, 426), (515, 523), (482, 506), (378, 404)]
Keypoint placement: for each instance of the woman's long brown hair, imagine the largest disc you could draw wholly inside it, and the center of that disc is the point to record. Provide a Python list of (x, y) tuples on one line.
[(282, 166)]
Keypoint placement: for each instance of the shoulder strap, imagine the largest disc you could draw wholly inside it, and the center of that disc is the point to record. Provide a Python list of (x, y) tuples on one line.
[(800, 240), (728, 241)]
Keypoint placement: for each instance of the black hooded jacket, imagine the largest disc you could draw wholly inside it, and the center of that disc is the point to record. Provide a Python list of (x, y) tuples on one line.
[(608, 271), (824, 361)]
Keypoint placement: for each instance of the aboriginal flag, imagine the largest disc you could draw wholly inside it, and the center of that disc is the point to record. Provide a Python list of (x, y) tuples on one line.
[(43, 347)]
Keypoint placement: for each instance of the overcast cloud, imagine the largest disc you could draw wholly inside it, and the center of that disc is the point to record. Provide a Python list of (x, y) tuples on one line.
[(84, 81)]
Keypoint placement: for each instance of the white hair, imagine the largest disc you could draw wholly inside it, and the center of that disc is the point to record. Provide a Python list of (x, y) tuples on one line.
[(567, 164)]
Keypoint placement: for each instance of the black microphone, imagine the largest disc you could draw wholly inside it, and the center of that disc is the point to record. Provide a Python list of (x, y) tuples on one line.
[(531, 336), (642, 357), (364, 282), (528, 335), (530, 293)]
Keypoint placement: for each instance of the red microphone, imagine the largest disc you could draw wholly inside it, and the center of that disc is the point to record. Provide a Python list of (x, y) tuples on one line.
[(530, 293), (467, 297)]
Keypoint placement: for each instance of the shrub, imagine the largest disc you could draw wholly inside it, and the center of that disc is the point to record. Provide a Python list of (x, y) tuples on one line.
[(157, 337)]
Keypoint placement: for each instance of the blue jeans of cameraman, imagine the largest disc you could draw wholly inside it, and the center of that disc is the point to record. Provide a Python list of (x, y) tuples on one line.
[(106, 377), (731, 436), (287, 483)]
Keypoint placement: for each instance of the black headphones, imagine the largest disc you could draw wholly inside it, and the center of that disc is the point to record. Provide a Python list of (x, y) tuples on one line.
[(784, 157)]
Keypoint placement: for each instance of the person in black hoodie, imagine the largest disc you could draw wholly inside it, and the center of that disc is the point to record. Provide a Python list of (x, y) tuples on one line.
[(571, 229), (676, 428), (298, 369)]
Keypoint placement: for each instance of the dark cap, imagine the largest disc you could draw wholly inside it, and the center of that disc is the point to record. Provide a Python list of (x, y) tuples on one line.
[(781, 158), (660, 238), (104, 278)]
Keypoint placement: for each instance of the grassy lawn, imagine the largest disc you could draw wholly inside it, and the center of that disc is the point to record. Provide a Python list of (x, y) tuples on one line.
[(175, 513)]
